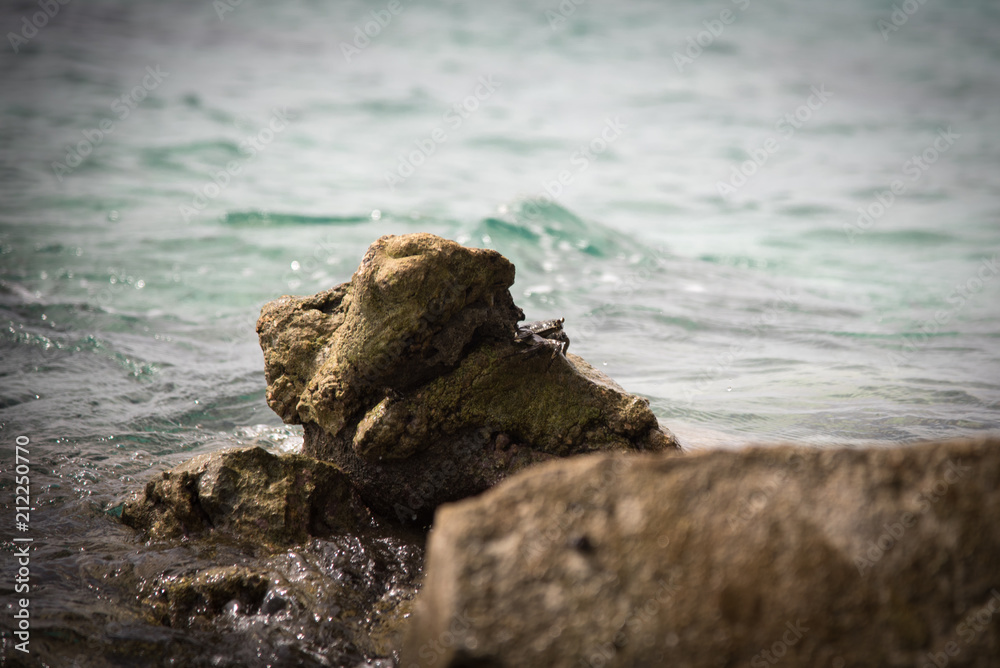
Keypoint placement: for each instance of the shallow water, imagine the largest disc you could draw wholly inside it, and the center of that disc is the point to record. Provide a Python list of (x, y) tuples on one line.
[(130, 281)]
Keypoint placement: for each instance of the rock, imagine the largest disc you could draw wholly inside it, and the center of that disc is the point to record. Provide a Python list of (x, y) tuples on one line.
[(810, 557), (351, 592), (414, 304), (261, 549), (183, 601), (249, 493), (408, 378)]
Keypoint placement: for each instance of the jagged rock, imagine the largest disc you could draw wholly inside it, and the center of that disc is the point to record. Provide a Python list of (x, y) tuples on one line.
[(803, 556), (409, 379), (250, 493), (415, 302)]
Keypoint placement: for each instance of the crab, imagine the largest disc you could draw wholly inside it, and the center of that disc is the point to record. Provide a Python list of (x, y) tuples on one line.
[(543, 334)]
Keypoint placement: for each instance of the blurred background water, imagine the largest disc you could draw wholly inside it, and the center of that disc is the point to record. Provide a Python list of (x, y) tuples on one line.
[(704, 190)]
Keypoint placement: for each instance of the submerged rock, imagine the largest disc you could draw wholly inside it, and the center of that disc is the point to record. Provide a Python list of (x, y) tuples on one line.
[(185, 600), (249, 493), (810, 557), (410, 380), (343, 598), (276, 553)]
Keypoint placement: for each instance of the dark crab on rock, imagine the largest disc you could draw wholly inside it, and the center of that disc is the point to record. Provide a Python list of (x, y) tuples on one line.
[(541, 334)]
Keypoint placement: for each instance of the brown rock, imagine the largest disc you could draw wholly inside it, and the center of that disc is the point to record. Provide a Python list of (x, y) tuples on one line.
[(407, 376), (786, 556), (249, 493)]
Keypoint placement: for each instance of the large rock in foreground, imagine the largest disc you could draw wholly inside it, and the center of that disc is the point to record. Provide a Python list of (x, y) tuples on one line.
[(410, 380), (826, 558)]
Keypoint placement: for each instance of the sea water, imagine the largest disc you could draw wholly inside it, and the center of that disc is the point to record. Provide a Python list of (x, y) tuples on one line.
[(776, 221)]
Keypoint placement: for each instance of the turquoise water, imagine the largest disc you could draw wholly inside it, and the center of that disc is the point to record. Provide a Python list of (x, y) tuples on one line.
[(681, 182)]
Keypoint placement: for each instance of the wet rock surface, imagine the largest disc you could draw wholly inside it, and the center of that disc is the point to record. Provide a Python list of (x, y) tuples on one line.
[(250, 493), (339, 601), (275, 555), (810, 557), (410, 380)]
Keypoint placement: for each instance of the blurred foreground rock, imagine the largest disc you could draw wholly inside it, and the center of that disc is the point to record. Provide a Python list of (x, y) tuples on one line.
[(803, 556), (410, 380)]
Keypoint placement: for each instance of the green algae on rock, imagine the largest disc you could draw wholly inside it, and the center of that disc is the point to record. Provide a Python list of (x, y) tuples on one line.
[(410, 380), (250, 493)]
